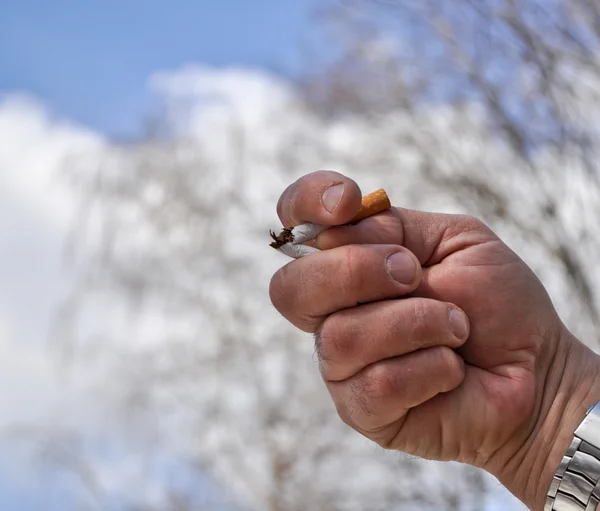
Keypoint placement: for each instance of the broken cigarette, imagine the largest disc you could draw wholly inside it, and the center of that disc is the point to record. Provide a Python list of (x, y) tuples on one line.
[(291, 240)]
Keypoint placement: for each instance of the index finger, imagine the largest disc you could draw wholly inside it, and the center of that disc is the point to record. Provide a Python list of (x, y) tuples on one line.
[(323, 198)]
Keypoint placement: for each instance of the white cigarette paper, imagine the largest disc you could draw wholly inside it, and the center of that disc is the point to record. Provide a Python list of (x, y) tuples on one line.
[(307, 232), (297, 251), (302, 234)]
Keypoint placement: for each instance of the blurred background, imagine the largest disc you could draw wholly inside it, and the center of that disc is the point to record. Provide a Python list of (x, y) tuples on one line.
[(143, 146)]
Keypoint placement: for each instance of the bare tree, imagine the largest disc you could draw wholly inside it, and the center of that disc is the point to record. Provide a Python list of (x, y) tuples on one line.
[(483, 107), (518, 75)]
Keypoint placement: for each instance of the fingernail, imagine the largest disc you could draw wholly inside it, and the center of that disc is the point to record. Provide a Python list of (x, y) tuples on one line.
[(459, 323), (332, 197), (401, 267)]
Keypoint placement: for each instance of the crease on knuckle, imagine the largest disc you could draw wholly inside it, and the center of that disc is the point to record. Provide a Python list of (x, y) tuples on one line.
[(472, 224), (337, 344), (352, 275), (365, 406), (352, 403), (371, 391), (420, 319), (359, 400), (302, 301), (378, 382)]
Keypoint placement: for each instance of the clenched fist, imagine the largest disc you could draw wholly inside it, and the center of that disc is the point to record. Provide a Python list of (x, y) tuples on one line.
[(434, 338)]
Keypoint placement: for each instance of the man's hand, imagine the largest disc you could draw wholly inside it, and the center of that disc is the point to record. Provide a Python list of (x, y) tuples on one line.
[(434, 337)]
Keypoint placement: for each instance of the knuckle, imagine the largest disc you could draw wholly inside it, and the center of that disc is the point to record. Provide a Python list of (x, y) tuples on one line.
[(378, 382), (471, 223), (279, 292), (370, 400), (335, 343), (285, 296), (445, 358), (351, 274), (361, 410), (420, 316), (429, 319), (347, 404), (275, 289), (450, 365)]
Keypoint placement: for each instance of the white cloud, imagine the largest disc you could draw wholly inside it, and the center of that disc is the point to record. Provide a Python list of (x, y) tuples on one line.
[(36, 210), (247, 93), (29, 390), (38, 397), (35, 148)]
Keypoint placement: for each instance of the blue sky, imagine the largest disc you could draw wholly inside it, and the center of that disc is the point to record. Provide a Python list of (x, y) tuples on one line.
[(89, 61)]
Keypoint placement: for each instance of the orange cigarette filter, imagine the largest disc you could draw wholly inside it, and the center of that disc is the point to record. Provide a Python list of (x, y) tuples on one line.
[(372, 204)]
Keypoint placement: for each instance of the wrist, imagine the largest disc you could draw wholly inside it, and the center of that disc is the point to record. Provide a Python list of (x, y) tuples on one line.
[(568, 387)]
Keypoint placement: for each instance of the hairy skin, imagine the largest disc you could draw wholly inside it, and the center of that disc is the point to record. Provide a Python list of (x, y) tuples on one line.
[(504, 393)]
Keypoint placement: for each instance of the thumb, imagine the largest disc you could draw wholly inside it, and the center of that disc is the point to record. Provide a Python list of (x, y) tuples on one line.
[(322, 198)]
